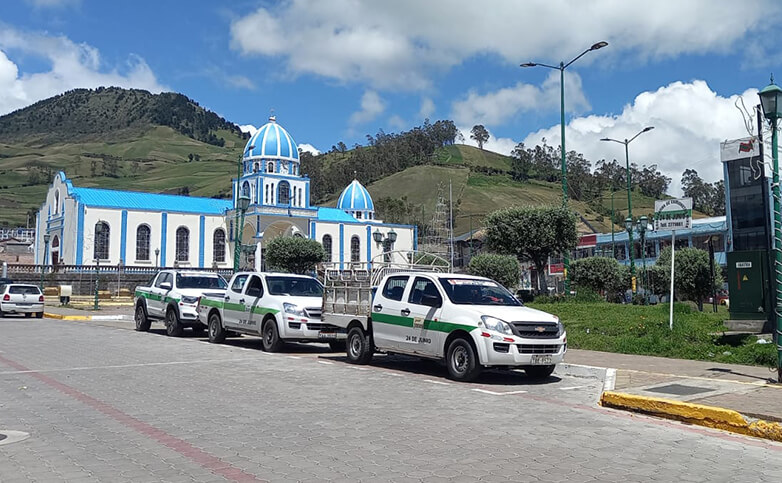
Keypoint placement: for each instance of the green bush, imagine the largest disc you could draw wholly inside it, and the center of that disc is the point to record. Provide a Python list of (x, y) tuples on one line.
[(504, 269), (692, 277), (294, 254), (600, 274)]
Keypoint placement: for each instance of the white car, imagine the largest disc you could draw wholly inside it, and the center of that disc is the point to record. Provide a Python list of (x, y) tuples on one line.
[(18, 298)]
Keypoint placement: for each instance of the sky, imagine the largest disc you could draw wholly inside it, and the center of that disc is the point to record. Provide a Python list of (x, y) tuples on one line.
[(337, 70)]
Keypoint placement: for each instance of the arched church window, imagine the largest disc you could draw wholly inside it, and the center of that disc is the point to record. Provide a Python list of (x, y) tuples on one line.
[(101, 240), (270, 167), (300, 203), (327, 247), (56, 202), (255, 168), (142, 242), (182, 244), (218, 245), (283, 193), (246, 189), (355, 249)]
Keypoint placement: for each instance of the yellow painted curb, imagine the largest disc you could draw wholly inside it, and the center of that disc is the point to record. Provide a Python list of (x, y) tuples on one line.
[(50, 315), (709, 416)]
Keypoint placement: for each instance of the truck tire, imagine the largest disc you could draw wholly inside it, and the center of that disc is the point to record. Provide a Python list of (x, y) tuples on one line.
[(39, 315), (539, 372), (216, 331), (173, 326), (359, 349), (337, 346), (142, 321), (462, 361), (270, 337)]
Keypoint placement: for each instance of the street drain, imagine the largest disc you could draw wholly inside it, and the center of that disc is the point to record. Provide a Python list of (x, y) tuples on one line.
[(679, 390), (8, 436)]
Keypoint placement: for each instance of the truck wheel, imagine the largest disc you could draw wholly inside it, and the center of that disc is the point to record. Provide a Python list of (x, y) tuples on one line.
[(270, 339), (216, 331), (142, 321), (39, 315), (337, 345), (462, 361), (359, 350), (173, 327), (539, 372)]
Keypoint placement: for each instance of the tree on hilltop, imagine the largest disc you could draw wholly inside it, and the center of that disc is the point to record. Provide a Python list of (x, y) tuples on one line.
[(479, 134)]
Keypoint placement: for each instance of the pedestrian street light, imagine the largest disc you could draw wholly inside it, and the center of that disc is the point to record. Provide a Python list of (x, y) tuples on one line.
[(157, 253), (387, 241), (771, 100), (241, 208), (643, 223), (46, 238), (561, 68)]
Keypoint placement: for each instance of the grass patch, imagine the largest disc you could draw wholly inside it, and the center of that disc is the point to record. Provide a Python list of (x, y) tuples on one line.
[(637, 329)]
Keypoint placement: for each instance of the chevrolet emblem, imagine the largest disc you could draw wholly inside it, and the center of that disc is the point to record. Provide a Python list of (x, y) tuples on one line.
[(540, 329)]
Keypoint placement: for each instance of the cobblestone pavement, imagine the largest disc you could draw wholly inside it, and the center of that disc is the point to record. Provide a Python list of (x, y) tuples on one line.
[(103, 403)]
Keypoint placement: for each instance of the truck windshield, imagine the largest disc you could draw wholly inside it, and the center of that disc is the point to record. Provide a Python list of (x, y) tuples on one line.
[(200, 281), (295, 286), (470, 291)]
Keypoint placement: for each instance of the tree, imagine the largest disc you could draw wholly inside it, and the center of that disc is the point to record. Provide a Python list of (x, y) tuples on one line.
[(479, 134), (692, 277), (294, 254), (504, 269), (601, 274), (532, 233)]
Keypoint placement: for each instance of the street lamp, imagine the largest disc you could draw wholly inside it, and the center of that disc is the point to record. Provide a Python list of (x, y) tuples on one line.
[(629, 187), (46, 239), (561, 68), (241, 208), (157, 254), (386, 240), (771, 100), (98, 247)]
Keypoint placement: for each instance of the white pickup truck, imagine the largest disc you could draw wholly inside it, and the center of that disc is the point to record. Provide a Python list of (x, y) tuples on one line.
[(277, 307), (469, 322), (172, 296)]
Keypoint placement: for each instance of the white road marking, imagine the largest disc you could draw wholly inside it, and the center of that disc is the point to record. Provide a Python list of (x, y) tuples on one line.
[(124, 366), (570, 388), (325, 362), (394, 374), (438, 382), (610, 381), (294, 357), (493, 393)]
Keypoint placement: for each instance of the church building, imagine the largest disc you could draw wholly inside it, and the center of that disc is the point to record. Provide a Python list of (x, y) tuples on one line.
[(85, 226)]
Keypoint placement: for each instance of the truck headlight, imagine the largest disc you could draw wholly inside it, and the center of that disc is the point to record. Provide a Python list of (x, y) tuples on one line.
[(497, 325), (187, 299), (293, 309), (560, 328)]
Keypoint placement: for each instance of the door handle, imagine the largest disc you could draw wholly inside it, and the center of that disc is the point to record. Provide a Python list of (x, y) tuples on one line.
[(227, 297), (241, 301), (378, 308), (405, 312)]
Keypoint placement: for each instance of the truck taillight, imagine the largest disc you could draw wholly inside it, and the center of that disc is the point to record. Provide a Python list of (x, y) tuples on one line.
[(6, 297), (40, 299)]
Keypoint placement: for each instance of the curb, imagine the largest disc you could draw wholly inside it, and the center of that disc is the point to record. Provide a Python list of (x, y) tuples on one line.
[(578, 370), (708, 416), (50, 315)]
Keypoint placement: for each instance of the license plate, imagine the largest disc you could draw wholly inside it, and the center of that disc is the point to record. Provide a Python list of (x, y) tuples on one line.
[(327, 335), (540, 360)]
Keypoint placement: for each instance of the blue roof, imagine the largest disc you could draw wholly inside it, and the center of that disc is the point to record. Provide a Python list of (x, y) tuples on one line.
[(704, 226), (133, 200), (333, 214), (271, 141), (355, 198)]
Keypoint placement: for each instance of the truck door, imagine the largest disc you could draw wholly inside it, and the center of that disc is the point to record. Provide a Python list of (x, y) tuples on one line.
[(388, 321), (253, 295), (156, 303), (234, 308), (424, 307)]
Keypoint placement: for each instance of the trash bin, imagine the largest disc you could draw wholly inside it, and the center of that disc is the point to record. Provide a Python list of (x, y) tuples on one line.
[(65, 294)]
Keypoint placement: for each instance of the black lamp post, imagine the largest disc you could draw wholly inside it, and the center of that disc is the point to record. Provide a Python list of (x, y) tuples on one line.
[(387, 241), (631, 249), (642, 225), (241, 208), (771, 100), (157, 254), (46, 239)]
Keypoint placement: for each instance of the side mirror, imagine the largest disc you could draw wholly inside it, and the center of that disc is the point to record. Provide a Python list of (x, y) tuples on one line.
[(165, 285), (431, 301)]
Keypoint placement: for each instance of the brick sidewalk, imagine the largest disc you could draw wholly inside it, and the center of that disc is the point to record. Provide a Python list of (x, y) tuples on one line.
[(749, 390)]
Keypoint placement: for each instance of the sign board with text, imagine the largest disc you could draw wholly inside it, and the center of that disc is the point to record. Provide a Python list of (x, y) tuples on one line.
[(673, 214)]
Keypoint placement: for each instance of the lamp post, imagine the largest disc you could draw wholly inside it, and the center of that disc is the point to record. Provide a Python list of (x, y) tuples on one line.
[(630, 188), (561, 68), (98, 249), (642, 225), (46, 239), (771, 100), (157, 254), (241, 208), (387, 241)]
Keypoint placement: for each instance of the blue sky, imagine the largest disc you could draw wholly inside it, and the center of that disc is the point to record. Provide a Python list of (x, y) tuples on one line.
[(336, 70)]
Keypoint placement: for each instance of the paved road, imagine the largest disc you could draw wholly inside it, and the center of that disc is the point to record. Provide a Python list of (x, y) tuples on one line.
[(105, 403)]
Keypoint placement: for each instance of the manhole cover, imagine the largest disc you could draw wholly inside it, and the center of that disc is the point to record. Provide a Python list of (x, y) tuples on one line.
[(679, 390), (8, 436)]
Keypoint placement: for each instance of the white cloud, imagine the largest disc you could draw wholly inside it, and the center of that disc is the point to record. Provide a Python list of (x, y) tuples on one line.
[(689, 119), (498, 145), (427, 108), (497, 107), (401, 44), (248, 128), (71, 65), (53, 3), (371, 107), (309, 148), (396, 122)]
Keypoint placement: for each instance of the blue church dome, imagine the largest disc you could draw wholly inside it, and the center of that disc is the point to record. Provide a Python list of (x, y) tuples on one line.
[(355, 198), (271, 141)]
